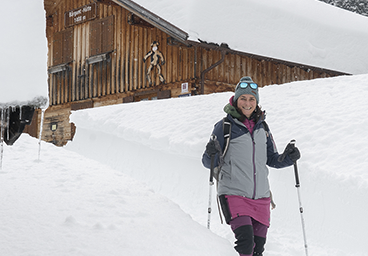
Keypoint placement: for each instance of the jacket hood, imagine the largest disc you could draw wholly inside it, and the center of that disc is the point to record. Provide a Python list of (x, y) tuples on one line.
[(231, 110)]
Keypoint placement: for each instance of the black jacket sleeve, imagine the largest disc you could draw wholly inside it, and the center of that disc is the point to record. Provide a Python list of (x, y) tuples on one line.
[(273, 155)]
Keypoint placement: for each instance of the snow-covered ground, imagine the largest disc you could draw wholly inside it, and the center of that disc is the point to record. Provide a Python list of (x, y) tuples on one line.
[(132, 183)]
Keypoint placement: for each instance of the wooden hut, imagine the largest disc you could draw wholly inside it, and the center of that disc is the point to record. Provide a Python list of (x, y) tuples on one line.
[(104, 52)]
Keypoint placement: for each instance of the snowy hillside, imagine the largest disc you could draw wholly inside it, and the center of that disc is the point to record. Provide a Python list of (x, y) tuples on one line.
[(132, 182)]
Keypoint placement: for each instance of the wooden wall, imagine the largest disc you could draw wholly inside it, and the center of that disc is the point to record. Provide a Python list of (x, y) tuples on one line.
[(123, 70)]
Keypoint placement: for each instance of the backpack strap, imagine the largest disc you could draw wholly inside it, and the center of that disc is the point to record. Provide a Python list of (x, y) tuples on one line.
[(226, 125), (267, 129)]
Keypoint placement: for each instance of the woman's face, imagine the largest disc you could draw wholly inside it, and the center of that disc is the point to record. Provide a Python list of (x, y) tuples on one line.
[(247, 103)]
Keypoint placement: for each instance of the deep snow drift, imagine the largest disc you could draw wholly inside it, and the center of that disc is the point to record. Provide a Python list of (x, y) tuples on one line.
[(131, 182)]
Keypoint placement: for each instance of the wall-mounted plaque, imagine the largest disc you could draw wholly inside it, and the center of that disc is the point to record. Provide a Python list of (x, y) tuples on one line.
[(80, 15)]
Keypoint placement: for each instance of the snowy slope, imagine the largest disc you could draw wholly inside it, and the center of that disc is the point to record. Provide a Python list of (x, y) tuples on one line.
[(303, 31), (23, 51)]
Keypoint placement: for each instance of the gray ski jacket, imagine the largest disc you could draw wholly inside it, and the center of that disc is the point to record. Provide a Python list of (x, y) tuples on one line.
[(244, 171)]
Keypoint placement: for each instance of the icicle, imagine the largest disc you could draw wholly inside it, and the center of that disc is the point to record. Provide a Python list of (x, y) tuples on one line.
[(20, 112), (2, 138), (7, 123), (40, 135)]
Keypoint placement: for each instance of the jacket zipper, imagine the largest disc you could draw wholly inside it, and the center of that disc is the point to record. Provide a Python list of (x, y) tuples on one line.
[(254, 163), (254, 169)]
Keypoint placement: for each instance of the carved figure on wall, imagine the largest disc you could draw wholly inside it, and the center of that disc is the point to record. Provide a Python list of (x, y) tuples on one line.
[(157, 59)]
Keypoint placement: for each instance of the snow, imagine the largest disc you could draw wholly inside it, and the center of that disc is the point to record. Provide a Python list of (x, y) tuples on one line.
[(302, 31), (132, 183), (23, 51)]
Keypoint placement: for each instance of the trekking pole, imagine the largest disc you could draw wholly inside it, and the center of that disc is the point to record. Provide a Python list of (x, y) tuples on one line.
[(213, 137), (297, 185)]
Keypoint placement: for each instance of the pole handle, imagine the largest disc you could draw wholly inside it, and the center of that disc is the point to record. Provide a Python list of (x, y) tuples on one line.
[(286, 151), (297, 182), (212, 170)]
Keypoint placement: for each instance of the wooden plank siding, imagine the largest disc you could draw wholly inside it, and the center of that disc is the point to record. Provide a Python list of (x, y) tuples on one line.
[(101, 59)]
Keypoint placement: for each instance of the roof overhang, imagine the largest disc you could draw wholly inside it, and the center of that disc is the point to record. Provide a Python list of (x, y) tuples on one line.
[(155, 20)]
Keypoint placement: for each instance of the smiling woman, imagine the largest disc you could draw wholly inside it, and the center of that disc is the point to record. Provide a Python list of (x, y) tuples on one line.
[(243, 186)]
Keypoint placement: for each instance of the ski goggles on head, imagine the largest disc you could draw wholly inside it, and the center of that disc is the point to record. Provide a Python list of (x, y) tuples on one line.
[(244, 85)]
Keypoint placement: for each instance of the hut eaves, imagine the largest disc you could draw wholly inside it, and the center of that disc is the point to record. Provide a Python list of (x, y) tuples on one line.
[(155, 20)]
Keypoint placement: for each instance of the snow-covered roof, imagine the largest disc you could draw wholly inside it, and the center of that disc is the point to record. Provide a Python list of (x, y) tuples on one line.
[(309, 32), (23, 51)]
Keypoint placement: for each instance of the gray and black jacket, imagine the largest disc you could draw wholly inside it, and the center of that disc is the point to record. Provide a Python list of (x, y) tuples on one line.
[(244, 171)]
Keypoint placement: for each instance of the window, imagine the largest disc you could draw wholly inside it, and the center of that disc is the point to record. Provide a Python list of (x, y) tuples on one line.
[(63, 47), (102, 36)]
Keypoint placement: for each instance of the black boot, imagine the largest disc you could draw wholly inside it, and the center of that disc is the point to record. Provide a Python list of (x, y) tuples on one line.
[(259, 245)]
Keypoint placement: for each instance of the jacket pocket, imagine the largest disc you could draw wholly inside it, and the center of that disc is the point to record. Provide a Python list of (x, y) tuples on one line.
[(225, 172)]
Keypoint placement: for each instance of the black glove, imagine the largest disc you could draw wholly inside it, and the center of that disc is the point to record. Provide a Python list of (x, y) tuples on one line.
[(212, 148), (294, 154), (291, 151)]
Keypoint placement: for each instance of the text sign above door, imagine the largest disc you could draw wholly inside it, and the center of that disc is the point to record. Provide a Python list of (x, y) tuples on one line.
[(80, 15)]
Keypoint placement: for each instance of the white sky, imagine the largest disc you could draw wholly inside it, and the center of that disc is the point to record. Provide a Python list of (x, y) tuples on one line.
[(23, 51)]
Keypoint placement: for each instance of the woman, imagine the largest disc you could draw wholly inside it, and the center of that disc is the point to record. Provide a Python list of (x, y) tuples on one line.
[(243, 186)]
